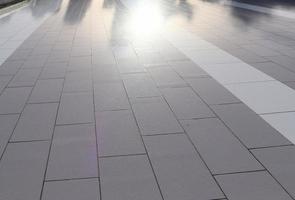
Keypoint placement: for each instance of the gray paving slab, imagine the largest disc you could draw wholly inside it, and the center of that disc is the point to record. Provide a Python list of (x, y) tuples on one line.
[(59, 56), (166, 76), (105, 73), (154, 116), (118, 133), (276, 71), (110, 96), (123, 52), (212, 56), (78, 86), (150, 58), (22, 170), (86, 189), (42, 50), (53, 71), (284, 61), (250, 128), (47, 91), (19, 54), (4, 80), (186, 104), (10, 67), (81, 51), (127, 66), (35, 61), (7, 124), (280, 162), (78, 81), (261, 50), (173, 55), (103, 58), (221, 150), (13, 100), (188, 69), (254, 185), (211, 91), (246, 55), (140, 85), (128, 177), (36, 122), (76, 108), (290, 84), (79, 63), (73, 153), (25, 77), (180, 171)]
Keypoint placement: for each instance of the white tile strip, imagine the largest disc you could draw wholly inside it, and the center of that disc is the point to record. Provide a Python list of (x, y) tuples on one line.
[(20, 25), (262, 93)]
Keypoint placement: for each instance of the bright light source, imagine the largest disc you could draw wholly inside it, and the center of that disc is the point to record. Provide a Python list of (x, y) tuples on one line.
[(145, 20)]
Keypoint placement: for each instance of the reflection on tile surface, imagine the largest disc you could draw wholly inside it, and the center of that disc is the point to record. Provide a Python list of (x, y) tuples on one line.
[(147, 100)]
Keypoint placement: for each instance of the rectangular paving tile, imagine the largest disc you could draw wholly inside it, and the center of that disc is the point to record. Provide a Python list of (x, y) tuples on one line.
[(211, 91), (290, 84), (13, 100), (36, 122), (235, 73), (188, 69), (221, 150), (7, 124), (123, 52), (280, 162), (78, 86), (246, 55), (76, 108), (118, 133), (80, 51), (154, 116), (59, 56), (276, 71), (166, 76), (284, 61), (35, 61), (73, 153), (173, 54), (78, 81), (260, 96), (105, 73), (140, 85), (283, 122), (55, 70), (261, 50), (22, 170), (86, 189), (103, 58), (254, 185), (128, 177), (25, 77), (4, 80), (180, 171), (150, 58), (79, 63), (130, 66), (19, 54), (186, 104), (46, 91), (10, 67), (110, 96), (211, 56), (249, 127)]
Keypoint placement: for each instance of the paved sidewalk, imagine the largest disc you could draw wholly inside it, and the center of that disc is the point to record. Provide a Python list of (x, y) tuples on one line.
[(98, 104)]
